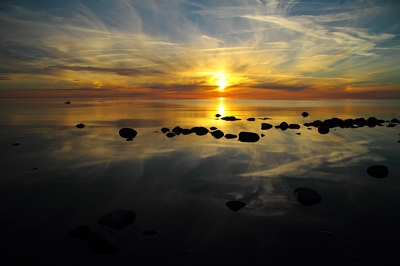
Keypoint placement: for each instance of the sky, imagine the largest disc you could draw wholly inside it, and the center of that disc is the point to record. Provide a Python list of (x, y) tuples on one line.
[(240, 49)]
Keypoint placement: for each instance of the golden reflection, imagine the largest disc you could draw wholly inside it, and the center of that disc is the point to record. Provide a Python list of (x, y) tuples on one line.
[(221, 107)]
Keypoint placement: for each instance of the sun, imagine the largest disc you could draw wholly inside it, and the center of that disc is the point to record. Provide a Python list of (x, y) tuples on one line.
[(221, 82)]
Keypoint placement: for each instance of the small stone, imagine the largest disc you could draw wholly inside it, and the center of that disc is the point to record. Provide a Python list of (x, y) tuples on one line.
[(213, 128), (217, 115), (248, 137), (304, 114), (235, 205), (118, 219), (80, 125), (165, 130), (16, 144), (128, 133), (298, 133), (217, 134), (251, 119), (307, 196), (230, 136), (378, 171), (323, 130), (170, 135)]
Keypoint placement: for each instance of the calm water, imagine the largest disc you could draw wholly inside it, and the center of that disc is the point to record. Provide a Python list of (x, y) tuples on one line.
[(60, 177)]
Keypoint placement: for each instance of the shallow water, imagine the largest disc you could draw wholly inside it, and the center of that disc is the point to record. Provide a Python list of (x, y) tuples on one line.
[(60, 177)]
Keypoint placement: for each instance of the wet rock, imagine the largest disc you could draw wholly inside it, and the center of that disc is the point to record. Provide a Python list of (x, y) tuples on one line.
[(251, 119), (217, 115), (200, 131), (80, 125), (230, 118), (248, 137), (170, 135), (118, 219), (266, 126), (294, 126), (378, 171), (235, 205), (304, 114), (177, 130), (217, 134), (15, 144), (186, 131), (230, 136), (80, 232), (101, 241), (307, 196), (128, 133), (150, 232), (165, 130), (323, 130), (213, 128)]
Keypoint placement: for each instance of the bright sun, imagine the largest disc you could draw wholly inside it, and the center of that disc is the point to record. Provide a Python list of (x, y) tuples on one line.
[(221, 82)]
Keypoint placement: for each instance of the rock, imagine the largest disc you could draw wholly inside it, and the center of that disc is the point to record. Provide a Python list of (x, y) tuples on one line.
[(230, 136), (200, 131), (33, 169), (251, 119), (165, 130), (248, 137), (186, 131), (323, 130), (80, 232), (283, 126), (266, 126), (129, 139), (15, 144), (150, 232), (80, 125), (307, 196), (213, 128), (235, 205), (217, 115), (298, 133), (118, 219), (127, 133), (262, 135), (177, 130), (170, 135), (391, 125), (217, 134), (328, 233), (101, 241), (264, 118), (378, 171), (230, 118), (304, 114), (294, 126), (67, 102)]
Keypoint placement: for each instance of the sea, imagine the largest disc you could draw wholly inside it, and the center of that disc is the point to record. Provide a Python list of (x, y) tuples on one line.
[(55, 176)]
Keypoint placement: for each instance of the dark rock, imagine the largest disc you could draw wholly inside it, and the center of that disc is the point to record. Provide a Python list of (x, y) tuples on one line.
[(80, 125), (298, 133), (101, 241), (217, 134), (394, 120), (251, 119), (262, 135), (230, 136), (294, 126), (323, 130), (217, 115), (150, 232), (67, 102), (266, 126), (16, 144), (165, 130), (118, 219), (316, 123), (200, 131), (391, 125), (213, 128), (80, 232), (177, 130), (248, 137), (33, 169), (378, 171), (230, 118), (235, 205), (264, 118), (186, 131), (283, 126), (304, 114), (360, 122), (170, 135), (127, 133), (129, 139), (307, 196)]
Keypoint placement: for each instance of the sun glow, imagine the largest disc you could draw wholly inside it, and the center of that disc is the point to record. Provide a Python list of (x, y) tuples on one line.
[(222, 82)]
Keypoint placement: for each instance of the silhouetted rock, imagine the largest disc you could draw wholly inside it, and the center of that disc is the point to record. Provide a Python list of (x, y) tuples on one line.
[(217, 115), (200, 131), (67, 102), (307, 196), (15, 144), (165, 130), (235, 205), (177, 130), (266, 126), (150, 232), (230, 136), (262, 135), (33, 169), (118, 219), (186, 131), (264, 118), (294, 126), (251, 119), (360, 122), (80, 232), (170, 135), (323, 130), (248, 137), (101, 241), (213, 128), (304, 114), (283, 126), (391, 125), (378, 171), (217, 134), (298, 133), (127, 133), (129, 139), (230, 118), (80, 125)]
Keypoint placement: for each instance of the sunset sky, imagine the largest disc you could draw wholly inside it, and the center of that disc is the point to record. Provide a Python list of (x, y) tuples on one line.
[(245, 49)]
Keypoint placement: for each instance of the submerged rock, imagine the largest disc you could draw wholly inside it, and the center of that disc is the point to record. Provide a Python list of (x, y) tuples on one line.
[(217, 134), (248, 137), (101, 241), (80, 125), (128, 133), (80, 232), (235, 205), (230, 136), (150, 232), (118, 219), (307, 196), (378, 171)]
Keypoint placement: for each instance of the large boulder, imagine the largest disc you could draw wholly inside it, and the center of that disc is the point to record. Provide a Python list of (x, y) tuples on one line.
[(378, 171), (248, 137), (128, 133), (118, 219), (307, 196)]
